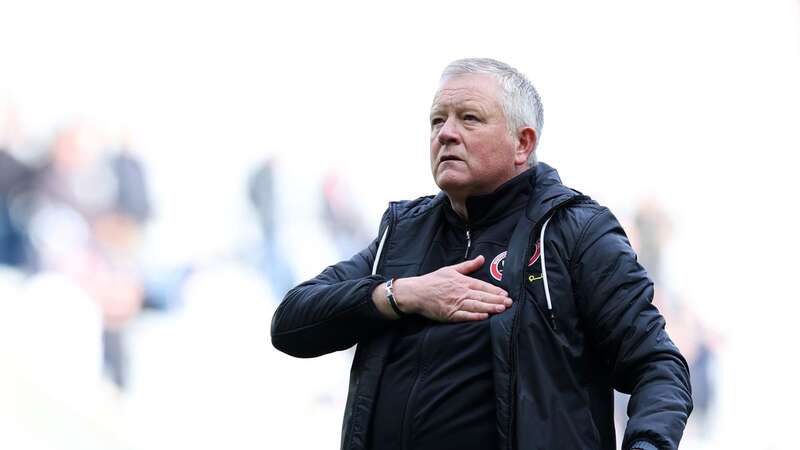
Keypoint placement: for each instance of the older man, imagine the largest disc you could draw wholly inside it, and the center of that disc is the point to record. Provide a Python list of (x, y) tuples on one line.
[(500, 313)]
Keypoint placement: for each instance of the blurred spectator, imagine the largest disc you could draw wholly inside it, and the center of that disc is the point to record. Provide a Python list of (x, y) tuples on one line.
[(16, 178), (261, 190), (86, 223), (118, 233), (653, 227), (262, 196), (341, 216), (698, 346), (132, 199)]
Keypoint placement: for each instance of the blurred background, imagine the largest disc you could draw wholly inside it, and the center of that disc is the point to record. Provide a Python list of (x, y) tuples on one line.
[(169, 169)]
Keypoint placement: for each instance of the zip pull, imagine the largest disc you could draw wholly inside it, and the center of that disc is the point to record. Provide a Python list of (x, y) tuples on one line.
[(553, 320), (469, 243)]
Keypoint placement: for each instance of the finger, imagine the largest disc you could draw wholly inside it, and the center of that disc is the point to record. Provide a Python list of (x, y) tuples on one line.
[(466, 316), (482, 307), (469, 266), (478, 285), (486, 297)]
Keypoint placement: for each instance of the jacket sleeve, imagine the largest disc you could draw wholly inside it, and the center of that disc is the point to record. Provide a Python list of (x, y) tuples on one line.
[(615, 298), (331, 312)]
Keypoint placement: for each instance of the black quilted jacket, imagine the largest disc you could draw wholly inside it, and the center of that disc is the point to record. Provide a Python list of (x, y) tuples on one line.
[(588, 329)]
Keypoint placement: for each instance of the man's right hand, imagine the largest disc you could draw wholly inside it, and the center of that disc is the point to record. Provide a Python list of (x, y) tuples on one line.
[(445, 295)]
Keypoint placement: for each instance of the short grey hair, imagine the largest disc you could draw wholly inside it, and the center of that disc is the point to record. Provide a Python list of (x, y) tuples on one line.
[(521, 102)]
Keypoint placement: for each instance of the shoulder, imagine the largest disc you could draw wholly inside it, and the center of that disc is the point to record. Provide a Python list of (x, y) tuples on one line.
[(582, 213), (408, 209), (585, 223), (575, 213)]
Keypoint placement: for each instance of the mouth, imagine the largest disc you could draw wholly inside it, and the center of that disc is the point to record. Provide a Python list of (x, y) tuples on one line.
[(446, 158)]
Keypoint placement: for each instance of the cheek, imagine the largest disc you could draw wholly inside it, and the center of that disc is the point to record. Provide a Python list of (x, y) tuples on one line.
[(433, 154), (435, 148)]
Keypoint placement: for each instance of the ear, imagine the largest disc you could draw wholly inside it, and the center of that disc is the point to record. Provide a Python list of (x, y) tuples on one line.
[(526, 142)]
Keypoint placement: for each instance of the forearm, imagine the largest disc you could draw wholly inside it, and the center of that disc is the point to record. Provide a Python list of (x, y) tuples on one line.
[(658, 380), (330, 312), (659, 410), (316, 318)]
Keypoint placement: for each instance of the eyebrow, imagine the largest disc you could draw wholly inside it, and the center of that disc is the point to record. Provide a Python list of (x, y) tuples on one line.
[(467, 104)]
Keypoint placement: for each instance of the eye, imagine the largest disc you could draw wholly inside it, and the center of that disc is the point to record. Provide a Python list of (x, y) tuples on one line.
[(471, 118), (436, 121)]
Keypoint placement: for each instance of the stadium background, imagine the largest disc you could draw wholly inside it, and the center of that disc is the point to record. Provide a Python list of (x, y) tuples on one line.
[(270, 138)]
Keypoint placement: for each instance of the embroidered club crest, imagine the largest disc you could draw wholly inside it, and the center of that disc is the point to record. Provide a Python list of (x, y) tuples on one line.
[(537, 251), (496, 268)]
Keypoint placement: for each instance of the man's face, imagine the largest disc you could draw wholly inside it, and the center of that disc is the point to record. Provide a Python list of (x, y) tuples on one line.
[(472, 151)]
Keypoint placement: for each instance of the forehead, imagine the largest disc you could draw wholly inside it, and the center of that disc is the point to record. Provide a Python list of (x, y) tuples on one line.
[(480, 89)]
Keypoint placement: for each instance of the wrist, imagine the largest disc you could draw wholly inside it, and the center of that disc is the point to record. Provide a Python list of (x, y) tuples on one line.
[(382, 303), (402, 295), (391, 299)]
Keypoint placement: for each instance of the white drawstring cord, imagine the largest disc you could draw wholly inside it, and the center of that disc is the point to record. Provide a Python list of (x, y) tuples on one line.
[(544, 270), (380, 249)]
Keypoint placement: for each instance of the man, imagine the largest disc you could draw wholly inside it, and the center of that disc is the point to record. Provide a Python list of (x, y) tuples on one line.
[(500, 313)]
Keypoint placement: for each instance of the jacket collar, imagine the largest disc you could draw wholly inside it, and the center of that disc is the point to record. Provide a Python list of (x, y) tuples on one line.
[(548, 193), (486, 209)]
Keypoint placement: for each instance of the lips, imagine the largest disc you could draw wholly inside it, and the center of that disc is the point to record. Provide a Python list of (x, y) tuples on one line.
[(449, 158)]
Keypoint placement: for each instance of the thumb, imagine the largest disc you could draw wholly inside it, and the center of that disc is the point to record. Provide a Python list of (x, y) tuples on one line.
[(469, 266)]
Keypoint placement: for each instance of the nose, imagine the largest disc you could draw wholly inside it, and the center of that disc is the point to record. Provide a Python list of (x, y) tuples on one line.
[(448, 134)]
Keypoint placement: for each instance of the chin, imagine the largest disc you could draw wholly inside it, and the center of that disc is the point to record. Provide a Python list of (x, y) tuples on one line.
[(452, 184)]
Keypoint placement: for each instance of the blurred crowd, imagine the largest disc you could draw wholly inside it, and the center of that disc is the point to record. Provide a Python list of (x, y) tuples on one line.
[(74, 209), (650, 230), (74, 212)]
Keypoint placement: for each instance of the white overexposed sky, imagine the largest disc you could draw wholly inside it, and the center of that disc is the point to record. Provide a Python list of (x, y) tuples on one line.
[(693, 102)]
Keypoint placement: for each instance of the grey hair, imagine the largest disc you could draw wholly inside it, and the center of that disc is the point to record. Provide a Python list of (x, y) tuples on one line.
[(521, 102)]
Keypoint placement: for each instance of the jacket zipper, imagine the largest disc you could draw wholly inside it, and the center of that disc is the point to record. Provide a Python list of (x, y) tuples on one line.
[(469, 244), (512, 385)]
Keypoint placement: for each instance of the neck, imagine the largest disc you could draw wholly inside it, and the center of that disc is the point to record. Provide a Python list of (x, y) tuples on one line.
[(460, 207), (458, 199)]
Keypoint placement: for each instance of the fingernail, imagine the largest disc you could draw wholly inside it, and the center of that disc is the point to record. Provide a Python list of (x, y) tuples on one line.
[(500, 308), (508, 302)]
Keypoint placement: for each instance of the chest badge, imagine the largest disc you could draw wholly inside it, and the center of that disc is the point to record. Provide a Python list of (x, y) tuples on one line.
[(537, 251), (496, 267)]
